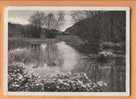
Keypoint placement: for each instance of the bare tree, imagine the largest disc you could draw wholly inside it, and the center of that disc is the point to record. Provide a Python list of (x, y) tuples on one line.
[(54, 22), (37, 19), (50, 21), (37, 22), (80, 15), (60, 20)]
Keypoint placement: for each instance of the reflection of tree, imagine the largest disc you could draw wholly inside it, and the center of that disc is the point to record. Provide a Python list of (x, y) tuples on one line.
[(117, 75)]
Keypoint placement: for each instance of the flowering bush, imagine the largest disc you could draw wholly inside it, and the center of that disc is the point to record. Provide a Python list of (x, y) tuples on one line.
[(20, 80)]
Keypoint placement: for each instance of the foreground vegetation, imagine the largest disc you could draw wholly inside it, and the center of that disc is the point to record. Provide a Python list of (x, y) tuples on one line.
[(20, 80)]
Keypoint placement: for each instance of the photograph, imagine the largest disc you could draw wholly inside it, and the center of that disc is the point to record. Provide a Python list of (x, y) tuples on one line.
[(67, 50)]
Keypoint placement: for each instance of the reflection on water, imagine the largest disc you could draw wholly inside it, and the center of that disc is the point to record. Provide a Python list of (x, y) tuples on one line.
[(52, 57), (56, 55), (111, 71)]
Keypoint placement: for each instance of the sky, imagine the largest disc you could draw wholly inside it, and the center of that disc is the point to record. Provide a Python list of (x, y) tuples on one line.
[(22, 17)]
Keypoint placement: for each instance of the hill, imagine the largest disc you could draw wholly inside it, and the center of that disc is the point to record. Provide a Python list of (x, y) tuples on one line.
[(15, 30), (103, 27)]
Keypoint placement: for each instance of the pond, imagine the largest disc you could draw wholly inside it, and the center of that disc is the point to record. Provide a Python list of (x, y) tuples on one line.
[(52, 57)]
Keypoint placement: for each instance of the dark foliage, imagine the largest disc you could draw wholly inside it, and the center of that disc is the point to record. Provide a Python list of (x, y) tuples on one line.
[(103, 27), (19, 80), (15, 30)]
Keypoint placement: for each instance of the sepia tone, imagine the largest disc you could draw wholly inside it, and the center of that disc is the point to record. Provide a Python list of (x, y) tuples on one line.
[(67, 51)]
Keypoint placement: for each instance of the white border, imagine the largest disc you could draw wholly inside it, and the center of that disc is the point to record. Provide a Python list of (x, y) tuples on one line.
[(66, 8)]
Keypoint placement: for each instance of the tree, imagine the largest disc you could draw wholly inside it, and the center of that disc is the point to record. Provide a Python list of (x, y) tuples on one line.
[(50, 21), (37, 21), (83, 14), (78, 15), (60, 20), (53, 22)]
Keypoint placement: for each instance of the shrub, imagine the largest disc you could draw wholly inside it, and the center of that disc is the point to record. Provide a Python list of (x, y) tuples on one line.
[(20, 80)]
